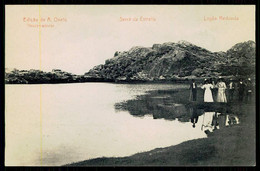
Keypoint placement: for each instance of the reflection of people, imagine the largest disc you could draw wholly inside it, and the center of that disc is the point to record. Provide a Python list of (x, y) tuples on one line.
[(193, 88), (207, 123), (222, 120), (241, 89), (194, 116), (232, 119), (221, 97), (231, 88), (249, 88), (214, 122), (207, 94)]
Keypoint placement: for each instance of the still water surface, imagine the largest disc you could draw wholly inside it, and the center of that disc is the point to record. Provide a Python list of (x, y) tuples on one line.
[(64, 123)]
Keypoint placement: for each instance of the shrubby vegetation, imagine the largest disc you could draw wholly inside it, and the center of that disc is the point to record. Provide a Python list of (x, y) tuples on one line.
[(171, 61), (36, 76), (161, 62)]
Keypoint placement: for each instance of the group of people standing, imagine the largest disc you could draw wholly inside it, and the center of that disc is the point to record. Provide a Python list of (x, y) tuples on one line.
[(217, 92)]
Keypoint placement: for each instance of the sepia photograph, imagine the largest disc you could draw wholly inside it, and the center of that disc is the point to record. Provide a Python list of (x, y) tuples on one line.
[(130, 85)]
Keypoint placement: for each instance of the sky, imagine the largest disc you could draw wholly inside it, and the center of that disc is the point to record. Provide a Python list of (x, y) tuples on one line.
[(79, 37)]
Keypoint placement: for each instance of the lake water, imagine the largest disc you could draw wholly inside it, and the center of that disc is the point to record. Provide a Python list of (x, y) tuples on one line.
[(57, 124)]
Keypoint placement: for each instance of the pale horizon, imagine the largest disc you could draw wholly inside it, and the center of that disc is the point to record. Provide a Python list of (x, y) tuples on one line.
[(87, 35)]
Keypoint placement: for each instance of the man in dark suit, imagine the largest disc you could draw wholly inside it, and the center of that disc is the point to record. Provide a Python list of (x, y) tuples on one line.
[(241, 89), (231, 89), (193, 88), (249, 89)]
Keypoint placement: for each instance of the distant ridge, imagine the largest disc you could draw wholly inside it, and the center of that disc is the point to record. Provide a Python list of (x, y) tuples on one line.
[(161, 62), (169, 61)]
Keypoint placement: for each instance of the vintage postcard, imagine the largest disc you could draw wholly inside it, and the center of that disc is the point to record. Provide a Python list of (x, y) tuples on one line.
[(130, 85)]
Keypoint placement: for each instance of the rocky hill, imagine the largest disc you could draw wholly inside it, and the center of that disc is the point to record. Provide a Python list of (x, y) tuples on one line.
[(161, 62), (240, 59), (33, 76), (171, 61)]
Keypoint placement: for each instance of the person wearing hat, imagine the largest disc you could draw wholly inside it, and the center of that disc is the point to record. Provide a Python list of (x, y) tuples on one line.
[(249, 88), (241, 89), (208, 93), (221, 96), (231, 88), (193, 88)]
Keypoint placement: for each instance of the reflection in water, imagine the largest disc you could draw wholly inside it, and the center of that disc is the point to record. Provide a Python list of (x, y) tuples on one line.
[(83, 124), (232, 119), (214, 120), (171, 105), (194, 116), (166, 104), (79, 122), (209, 123)]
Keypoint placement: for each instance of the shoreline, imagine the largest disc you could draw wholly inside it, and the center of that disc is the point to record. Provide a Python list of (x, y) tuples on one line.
[(229, 146), (215, 150), (184, 81)]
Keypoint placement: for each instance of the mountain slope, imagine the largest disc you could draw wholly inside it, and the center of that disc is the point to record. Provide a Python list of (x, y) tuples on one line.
[(170, 61), (167, 62)]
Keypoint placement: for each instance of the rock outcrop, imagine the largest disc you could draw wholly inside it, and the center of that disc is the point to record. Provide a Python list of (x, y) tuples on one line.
[(36, 76), (171, 61), (161, 62)]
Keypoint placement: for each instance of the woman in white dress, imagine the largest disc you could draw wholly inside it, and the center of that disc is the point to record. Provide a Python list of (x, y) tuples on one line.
[(221, 97), (207, 94)]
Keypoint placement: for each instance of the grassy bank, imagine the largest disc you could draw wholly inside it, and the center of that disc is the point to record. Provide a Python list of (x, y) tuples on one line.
[(230, 146)]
